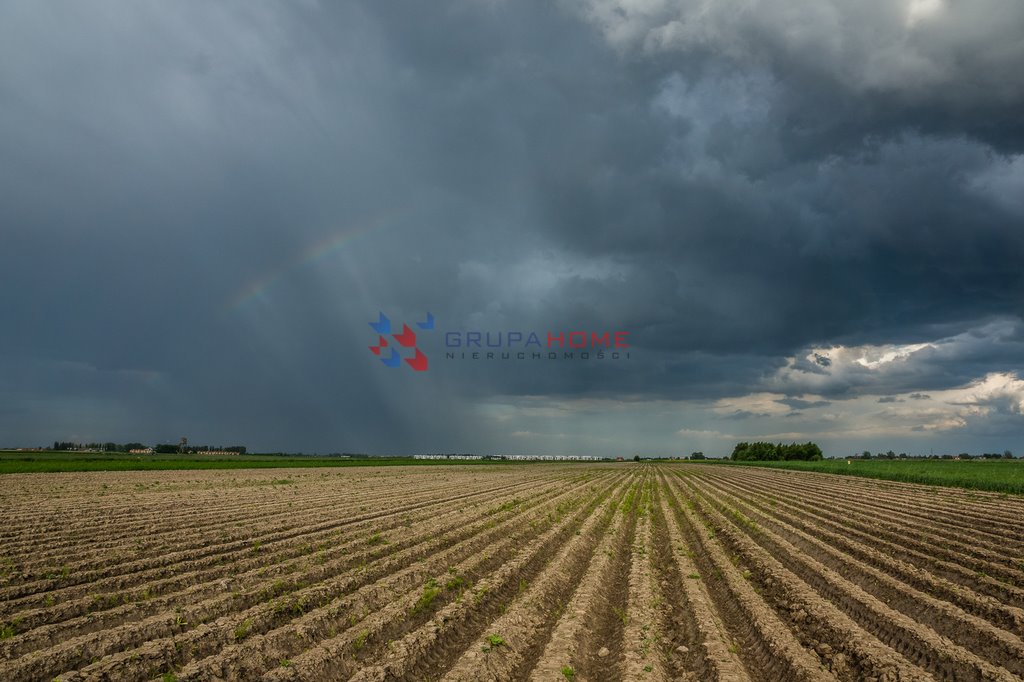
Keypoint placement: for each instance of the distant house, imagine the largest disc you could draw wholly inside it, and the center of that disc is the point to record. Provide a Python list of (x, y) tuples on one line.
[(553, 458), (141, 451)]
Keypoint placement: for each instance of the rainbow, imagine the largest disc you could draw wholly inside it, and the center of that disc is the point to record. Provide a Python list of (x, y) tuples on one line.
[(332, 243)]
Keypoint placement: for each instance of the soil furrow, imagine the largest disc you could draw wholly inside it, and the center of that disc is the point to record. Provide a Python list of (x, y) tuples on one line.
[(782, 567), (431, 649), (764, 642), (999, 647)]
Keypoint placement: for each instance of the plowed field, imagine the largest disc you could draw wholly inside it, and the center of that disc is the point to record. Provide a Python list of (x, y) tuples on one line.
[(535, 572)]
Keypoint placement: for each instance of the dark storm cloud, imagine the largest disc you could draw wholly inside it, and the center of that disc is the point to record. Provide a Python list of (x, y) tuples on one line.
[(203, 207)]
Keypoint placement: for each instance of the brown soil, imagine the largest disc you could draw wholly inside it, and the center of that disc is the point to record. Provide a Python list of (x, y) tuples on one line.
[(564, 572)]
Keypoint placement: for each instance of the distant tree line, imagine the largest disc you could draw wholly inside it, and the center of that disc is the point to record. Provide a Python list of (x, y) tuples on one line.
[(163, 448), (763, 452), (1005, 454), (63, 445)]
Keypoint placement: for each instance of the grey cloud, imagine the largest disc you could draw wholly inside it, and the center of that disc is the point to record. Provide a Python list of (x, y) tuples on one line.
[(931, 364), (867, 47), (204, 201)]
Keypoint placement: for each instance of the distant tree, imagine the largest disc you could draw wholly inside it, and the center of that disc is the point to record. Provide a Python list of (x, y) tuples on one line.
[(866, 454), (636, 458), (165, 449), (762, 452), (697, 455), (812, 452), (1007, 454)]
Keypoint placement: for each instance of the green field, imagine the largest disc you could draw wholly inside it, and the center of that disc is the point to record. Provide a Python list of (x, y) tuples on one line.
[(15, 462), (1005, 476)]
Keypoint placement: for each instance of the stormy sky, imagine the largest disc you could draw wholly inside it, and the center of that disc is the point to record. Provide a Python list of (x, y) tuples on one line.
[(808, 215)]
